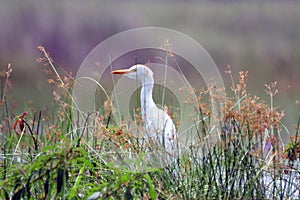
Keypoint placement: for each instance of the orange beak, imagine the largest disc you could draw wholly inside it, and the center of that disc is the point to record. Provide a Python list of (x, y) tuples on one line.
[(121, 71)]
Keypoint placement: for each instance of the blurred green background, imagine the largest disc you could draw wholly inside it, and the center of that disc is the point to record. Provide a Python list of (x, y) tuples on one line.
[(260, 36)]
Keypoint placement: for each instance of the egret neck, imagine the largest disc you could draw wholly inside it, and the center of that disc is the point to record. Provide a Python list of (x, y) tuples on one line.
[(147, 102)]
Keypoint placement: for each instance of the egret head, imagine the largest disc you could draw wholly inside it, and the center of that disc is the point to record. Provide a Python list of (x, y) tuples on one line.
[(140, 72)]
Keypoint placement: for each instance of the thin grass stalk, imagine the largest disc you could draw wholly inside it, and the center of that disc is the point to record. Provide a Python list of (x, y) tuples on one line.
[(39, 124), (165, 80), (5, 162), (34, 138), (7, 117), (94, 130), (212, 163), (227, 160), (85, 128), (36, 134)]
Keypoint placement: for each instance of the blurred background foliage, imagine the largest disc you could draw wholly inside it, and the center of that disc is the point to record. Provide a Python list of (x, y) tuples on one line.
[(261, 37)]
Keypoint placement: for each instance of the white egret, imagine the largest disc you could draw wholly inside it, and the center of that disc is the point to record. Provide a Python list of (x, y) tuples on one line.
[(159, 125)]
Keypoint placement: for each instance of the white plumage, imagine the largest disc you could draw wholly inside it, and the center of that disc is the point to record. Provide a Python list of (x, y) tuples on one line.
[(159, 125)]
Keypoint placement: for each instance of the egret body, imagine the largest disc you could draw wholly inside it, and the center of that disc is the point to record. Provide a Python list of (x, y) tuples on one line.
[(159, 125)]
